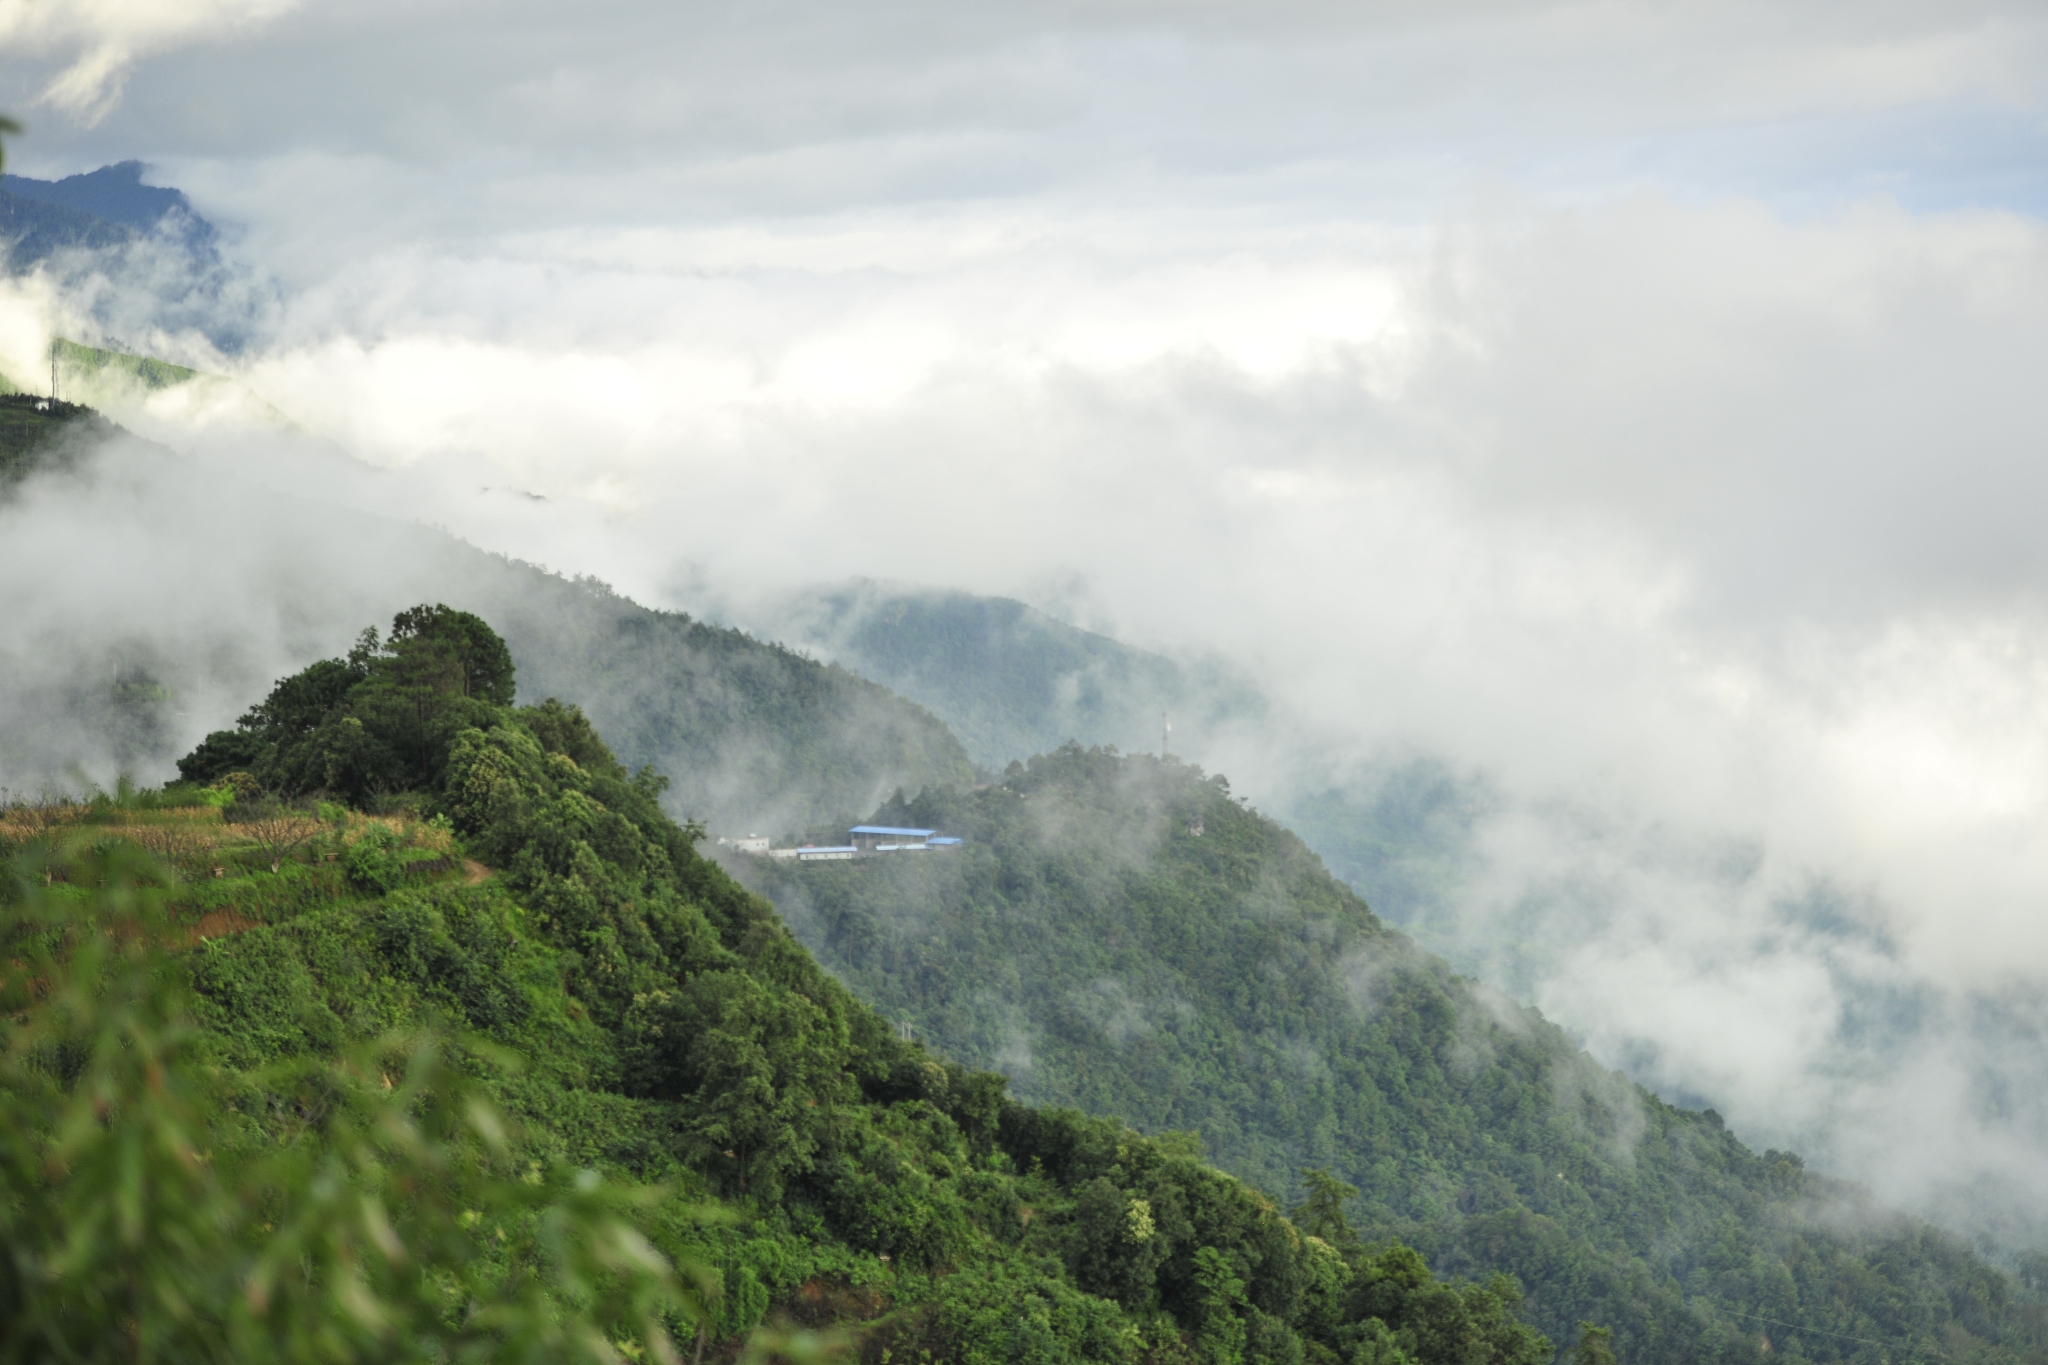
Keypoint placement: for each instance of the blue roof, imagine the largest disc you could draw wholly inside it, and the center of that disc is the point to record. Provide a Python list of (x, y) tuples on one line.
[(943, 841), (891, 829), (827, 848)]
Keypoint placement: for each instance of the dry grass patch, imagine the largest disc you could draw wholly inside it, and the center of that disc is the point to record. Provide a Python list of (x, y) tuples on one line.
[(196, 840)]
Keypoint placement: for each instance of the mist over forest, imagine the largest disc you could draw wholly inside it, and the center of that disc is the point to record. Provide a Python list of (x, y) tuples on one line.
[(1576, 476)]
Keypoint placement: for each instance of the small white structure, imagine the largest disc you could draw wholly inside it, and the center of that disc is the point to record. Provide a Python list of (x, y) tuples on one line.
[(745, 843), (830, 854), (783, 852)]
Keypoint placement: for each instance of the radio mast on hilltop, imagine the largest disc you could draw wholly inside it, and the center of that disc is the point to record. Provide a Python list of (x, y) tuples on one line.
[(1165, 736)]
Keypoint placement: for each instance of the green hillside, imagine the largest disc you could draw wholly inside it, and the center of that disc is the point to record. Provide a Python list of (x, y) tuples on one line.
[(1013, 681), (753, 735), (34, 435), (1008, 679), (1122, 936), (95, 365), (1091, 945), (508, 1071), (95, 376)]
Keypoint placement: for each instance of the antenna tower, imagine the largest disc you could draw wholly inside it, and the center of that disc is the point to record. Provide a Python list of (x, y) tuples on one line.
[(1165, 738)]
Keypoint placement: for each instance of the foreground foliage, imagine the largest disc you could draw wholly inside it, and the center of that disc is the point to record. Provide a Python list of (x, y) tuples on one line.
[(362, 1205)]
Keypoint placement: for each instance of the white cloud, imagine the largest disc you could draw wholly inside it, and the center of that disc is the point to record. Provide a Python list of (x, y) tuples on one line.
[(98, 42)]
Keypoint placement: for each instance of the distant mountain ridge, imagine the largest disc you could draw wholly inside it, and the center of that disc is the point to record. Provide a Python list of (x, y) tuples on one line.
[(1009, 679), (34, 231), (112, 195), (133, 257)]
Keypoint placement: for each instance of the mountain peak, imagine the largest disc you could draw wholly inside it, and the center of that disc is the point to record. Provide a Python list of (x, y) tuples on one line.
[(115, 194)]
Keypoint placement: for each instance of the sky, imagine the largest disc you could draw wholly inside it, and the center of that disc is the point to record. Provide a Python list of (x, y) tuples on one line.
[(1630, 408)]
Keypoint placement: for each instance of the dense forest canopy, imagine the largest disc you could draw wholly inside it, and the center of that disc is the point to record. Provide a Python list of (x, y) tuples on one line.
[(1121, 935), (415, 1075)]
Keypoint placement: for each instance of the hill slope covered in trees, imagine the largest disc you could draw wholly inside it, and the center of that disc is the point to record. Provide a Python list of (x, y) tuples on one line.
[(755, 736), (1008, 679), (1013, 681), (1122, 936), (396, 1085)]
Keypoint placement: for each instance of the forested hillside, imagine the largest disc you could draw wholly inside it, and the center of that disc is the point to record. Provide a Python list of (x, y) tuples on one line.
[(1009, 680), (133, 258), (1012, 681), (115, 194), (1122, 936), (327, 1083), (32, 231), (754, 736), (34, 436), (1089, 942)]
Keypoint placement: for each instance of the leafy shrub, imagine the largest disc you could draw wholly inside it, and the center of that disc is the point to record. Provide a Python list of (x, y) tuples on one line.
[(373, 863)]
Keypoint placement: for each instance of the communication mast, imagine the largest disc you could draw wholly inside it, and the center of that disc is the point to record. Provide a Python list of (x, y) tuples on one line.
[(53, 372), (1165, 737)]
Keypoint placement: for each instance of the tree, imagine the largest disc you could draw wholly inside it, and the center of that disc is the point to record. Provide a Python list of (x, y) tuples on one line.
[(297, 705), (761, 1066), (1595, 1346), (1321, 1212), (221, 753), (1220, 1308), (1116, 1246), (379, 720), (456, 648), (279, 833)]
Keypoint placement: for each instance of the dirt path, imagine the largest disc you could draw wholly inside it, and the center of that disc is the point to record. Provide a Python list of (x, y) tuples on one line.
[(217, 924)]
